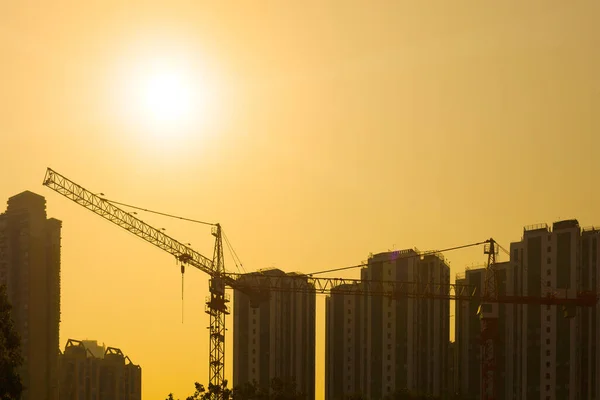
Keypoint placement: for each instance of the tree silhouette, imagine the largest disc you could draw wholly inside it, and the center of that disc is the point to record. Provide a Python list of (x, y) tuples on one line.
[(279, 389), (11, 360)]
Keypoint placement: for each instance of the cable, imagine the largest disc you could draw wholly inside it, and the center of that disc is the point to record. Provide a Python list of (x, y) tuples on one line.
[(161, 213), (233, 253), (411, 256)]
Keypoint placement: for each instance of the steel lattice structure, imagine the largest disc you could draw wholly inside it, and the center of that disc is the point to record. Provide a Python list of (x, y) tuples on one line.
[(258, 285)]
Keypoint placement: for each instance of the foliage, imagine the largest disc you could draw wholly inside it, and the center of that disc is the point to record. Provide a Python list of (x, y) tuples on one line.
[(11, 360), (279, 390)]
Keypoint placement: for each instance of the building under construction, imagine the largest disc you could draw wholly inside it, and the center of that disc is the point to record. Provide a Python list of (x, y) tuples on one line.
[(85, 376), (378, 347), (274, 335)]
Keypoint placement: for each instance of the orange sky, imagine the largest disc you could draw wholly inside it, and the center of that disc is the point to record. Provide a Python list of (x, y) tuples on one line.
[(329, 130)]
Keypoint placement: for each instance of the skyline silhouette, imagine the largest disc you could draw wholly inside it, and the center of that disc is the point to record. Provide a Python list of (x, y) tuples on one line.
[(320, 133)]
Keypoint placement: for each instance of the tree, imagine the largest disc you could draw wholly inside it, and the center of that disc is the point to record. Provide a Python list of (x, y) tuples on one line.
[(279, 389), (11, 360)]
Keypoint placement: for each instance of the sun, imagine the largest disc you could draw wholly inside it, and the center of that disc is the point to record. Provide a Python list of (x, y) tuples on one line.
[(166, 97), (165, 100)]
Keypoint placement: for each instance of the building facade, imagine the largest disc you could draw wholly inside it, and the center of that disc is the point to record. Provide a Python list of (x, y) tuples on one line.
[(274, 335), (468, 336), (542, 352), (30, 268), (343, 345), (390, 346), (554, 348), (84, 376)]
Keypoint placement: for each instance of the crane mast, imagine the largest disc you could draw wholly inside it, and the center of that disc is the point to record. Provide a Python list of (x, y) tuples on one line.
[(258, 285), (216, 303), (488, 312)]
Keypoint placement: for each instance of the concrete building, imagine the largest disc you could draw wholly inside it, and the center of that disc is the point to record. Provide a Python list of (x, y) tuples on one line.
[(30, 268), (543, 352), (555, 352), (468, 336), (544, 344), (274, 336), (83, 376), (390, 345), (590, 317), (343, 342)]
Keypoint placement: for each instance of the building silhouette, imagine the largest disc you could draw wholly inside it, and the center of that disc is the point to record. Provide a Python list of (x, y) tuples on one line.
[(377, 346), (84, 376), (553, 349), (274, 335), (343, 341), (30, 268), (542, 352), (468, 336)]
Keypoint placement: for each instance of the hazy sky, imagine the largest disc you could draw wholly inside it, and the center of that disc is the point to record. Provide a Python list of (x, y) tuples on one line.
[(315, 132)]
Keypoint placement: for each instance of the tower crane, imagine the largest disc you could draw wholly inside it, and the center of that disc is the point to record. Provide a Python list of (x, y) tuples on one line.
[(253, 285), (258, 285)]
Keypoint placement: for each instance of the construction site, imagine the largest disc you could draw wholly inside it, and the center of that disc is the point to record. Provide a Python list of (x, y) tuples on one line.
[(524, 328)]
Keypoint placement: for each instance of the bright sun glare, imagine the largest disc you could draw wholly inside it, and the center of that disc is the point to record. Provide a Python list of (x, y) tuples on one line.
[(165, 99)]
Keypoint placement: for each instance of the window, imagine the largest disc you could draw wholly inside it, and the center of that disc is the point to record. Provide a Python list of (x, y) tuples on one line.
[(349, 321), (549, 261), (389, 335), (547, 387), (389, 324), (549, 249), (349, 311), (548, 283), (548, 330), (548, 364), (253, 321), (389, 314), (548, 318), (389, 346), (547, 341), (389, 357), (548, 352), (389, 378), (549, 272), (547, 375)]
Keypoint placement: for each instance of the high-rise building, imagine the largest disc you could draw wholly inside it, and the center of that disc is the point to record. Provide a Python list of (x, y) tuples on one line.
[(30, 268), (274, 336), (85, 376), (343, 344), (468, 335), (547, 343), (590, 317), (542, 352), (390, 345)]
